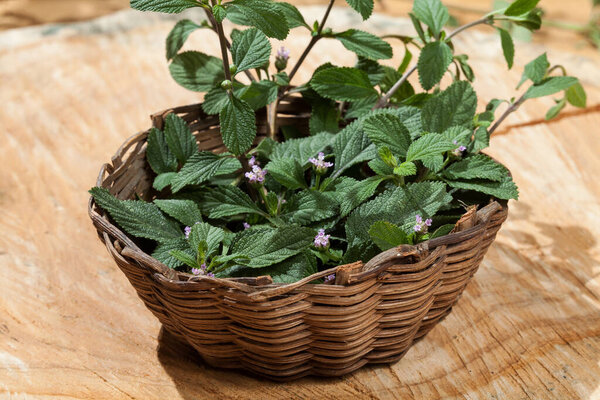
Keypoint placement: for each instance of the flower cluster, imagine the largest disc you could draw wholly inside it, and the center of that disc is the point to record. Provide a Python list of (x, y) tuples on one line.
[(459, 150), (320, 164), (281, 58), (322, 240), (202, 271), (329, 278), (421, 226), (257, 175)]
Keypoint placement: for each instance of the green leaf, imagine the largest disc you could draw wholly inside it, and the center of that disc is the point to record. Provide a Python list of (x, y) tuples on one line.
[(288, 172), (351, 146), (308, 206), (433, 13), (407, 168), (387, 235), (535, 70), (374, 70), (178, 35), (324, 117), (387, 130), (301, 149), (250, 49), (160, 158), (210, 235), (519, 7), (576, 95), (418, 27), (184, 211), (508, 47), (163, 251), (344, 84), (136, 217), (360, 108), (292, 15), (225, 201), (550, 86), (201, 167), (238, 125), (442, 231), (355, 194), (219, 12), (454, 106), (365, 44), (164, 6), (556, 109), (265, 246), (259, 93), (433, 62), (429, 149), (380, 167), (505, 189), (264, 15), (398, 206), (163, 180), (363, 7), (481, 139), (179, 138), (196, 71), (291, 270), (184, 258), (476, 166), (216, 99)]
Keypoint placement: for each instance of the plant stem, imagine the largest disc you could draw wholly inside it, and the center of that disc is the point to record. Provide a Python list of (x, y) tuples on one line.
[(223, 50), (512, 108), (386, 98), (313, 40)]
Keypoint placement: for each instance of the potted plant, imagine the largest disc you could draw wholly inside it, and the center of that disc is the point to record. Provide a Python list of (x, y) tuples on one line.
[(312, 229)]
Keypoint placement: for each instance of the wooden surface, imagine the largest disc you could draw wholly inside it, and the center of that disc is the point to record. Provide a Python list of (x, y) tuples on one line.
[(528, 326)]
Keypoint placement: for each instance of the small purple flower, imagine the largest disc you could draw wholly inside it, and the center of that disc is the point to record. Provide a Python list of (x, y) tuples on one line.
[(253, 161), (322, 240), (202, 271), (283, 53), (320, 164), (257, 175), (459, 150), (281, 58), (246, 225), (329, 278), (187, 230), (421, 226)]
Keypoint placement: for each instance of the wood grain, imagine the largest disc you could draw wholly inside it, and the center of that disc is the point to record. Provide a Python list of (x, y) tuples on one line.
[(528, 325)]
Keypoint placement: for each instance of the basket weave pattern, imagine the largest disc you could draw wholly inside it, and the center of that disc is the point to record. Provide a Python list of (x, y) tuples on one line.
[(372, 314)]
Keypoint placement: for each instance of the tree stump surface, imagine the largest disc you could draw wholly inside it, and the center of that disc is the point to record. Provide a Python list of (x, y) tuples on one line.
[(71, 326)]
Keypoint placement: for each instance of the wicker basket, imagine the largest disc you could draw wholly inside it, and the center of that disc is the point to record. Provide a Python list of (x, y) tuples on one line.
[(372, 314)]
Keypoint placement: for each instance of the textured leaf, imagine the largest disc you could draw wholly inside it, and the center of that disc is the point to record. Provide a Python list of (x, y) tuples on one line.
[(407, 168), (259, 93), (197, 71), (508, 47), (238, 125), (225, 201), (163, 180), (454, 106), (288, 271), (556, 109), (201, 167), (481, 139), (387, 235), (179, 138), (250, 49), (136, 217), (264, 15), (519, 7), (163, 251), (309, 206), (576, 95), (387, 130), (184, 211), (184, 258), (476, 166), (344, 84), (429, 149), (433, 62), (550, 86), (324, 117), (432, 12), (365, 44), (164, 6), (160, 158), (535, 70), (265, 246), (374, 70), (289, 172), (398, 206), (351, 146), (505, 189), (219, 12), (292, 15), (211, 235), (380, 167), (178, 35), (363, 7), (442, 231), (354, 195), (301, 149)]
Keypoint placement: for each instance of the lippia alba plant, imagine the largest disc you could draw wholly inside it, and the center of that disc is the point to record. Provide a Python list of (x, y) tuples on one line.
[(386, 162)]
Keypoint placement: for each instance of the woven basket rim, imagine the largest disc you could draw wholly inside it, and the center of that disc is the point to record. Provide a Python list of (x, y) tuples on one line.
[(255, 286)]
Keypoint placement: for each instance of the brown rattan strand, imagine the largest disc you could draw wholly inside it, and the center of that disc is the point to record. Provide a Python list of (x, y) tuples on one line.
[(373, 312)]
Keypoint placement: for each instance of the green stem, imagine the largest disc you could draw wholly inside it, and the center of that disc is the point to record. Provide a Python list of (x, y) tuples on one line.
[(512, 108), (317, 181)]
